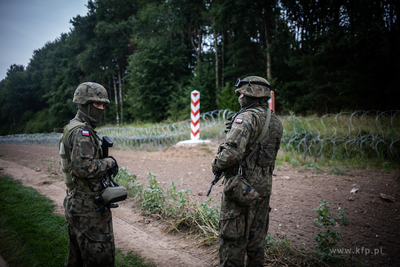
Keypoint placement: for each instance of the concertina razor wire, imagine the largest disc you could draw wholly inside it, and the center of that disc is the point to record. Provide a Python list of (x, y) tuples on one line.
[(372, 134)]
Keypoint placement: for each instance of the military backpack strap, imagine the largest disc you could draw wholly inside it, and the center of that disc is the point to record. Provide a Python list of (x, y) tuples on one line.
[(260, 137), (63, 146)]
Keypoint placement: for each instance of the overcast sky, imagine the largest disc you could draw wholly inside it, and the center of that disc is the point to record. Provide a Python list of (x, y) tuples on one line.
[(27, 25)]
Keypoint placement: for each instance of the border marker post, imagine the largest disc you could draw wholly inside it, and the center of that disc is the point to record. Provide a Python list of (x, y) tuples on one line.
[(195, 115), (271, 101)]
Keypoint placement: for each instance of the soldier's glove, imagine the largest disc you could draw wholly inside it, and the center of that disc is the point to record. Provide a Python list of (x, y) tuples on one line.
[(113, 171)]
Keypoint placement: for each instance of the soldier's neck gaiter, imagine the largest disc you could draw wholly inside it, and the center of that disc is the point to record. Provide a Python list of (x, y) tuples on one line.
[(94, 114), (246, 101)]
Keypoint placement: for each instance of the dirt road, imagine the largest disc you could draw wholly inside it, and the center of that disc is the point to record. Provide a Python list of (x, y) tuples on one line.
[(374, 222)]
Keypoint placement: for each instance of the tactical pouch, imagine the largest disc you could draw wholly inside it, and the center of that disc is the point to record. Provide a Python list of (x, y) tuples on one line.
[(114, 194), (239, 191)]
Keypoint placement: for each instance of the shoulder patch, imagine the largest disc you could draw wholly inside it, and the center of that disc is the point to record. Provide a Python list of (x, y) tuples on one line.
[(239, 121), (85, 133)]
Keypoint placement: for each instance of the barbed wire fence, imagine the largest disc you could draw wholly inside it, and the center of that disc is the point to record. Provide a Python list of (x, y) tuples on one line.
[(371, 134)]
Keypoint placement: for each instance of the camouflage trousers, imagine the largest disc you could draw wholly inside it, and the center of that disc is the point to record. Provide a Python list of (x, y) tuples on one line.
[(91, 238), (242, 230)]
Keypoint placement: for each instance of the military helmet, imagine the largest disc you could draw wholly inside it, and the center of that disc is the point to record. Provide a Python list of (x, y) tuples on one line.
[(90, 92), (253, 86)]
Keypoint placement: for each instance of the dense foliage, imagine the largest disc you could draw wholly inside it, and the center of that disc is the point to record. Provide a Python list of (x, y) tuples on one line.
[(320, 56)]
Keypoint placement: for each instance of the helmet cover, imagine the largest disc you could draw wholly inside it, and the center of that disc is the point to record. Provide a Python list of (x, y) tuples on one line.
[(253, 86), (90, 92)]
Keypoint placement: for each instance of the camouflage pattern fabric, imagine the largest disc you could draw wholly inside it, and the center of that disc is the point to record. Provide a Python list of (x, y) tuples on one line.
[(91, 238), (90, 92), (243, 234), (243, 229)]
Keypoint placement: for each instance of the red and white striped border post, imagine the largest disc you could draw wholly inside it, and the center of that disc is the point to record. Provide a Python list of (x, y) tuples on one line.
[(195, 115), (271, 101)]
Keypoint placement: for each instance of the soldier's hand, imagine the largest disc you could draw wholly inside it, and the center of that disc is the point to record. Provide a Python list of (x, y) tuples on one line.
[(110, 162), (113, 170)]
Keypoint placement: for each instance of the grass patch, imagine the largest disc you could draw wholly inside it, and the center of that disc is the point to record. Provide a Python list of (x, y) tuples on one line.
[(130, 259), (32, 235), (337, 166)]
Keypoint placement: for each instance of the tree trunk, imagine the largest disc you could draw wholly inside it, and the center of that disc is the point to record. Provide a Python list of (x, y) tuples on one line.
[(116, 101), (222, 58), (192, 37), (199, 41), (230, 40), (121, 104), (216, 63), (269, 71)]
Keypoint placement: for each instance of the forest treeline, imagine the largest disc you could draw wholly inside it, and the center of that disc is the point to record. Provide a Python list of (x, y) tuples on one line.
[(320, 57)]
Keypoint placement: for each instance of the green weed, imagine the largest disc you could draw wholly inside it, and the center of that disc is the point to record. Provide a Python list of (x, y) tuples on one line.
[(314, 168), (293, 163), (154, 196), (179, 200), (336, 171), (343, 217), (386, 166), (272, 243), (174, 204), (328, 238)]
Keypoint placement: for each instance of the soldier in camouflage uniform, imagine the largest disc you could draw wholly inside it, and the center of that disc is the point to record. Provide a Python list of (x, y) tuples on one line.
[(243, 229), (90, 229)]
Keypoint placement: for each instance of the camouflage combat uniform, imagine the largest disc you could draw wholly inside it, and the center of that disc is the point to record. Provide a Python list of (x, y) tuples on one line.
[(244, 229), (90, 229)]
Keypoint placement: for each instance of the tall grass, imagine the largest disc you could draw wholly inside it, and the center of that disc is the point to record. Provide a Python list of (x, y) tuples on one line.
[(200, 220)]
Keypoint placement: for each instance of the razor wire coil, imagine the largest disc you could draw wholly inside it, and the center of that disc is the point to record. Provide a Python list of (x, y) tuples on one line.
[(373, 134)]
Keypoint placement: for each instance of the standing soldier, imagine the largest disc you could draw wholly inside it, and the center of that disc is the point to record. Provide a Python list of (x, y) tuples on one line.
[(90, 229), (247, 159)]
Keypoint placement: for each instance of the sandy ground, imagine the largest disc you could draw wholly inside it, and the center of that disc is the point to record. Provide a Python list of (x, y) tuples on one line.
[(372, 234)]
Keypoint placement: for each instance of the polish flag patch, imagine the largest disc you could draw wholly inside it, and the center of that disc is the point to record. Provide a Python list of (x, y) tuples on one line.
[(239, 121), (85, 133)]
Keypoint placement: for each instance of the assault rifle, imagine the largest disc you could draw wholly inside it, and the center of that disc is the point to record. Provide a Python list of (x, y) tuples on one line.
[(105, 144), (217, 177), (113, 193)]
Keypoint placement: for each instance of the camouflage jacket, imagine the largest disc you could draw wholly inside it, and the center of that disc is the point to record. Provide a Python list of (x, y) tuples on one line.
[(240, 142), (86, 158)]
